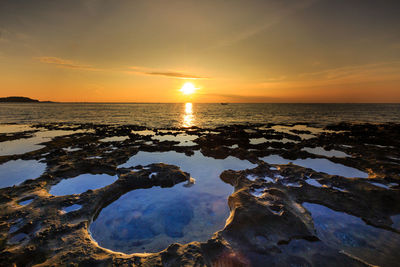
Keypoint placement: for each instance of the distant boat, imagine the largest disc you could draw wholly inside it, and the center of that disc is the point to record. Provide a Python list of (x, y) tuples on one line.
[(224, 104)]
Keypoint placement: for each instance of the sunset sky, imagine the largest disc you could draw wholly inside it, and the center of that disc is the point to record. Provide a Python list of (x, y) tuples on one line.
[(231, 51)]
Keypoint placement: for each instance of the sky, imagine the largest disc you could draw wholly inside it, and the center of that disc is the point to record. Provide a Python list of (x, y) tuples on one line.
[(231, 51)]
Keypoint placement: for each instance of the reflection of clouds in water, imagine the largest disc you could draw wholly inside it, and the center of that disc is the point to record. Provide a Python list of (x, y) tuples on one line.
[(319, 165), (219, 205), (14, 128), (81, 183), (351, 234), (188, 117), (146, 220), (149, 220), (21, 146), (17, 171)]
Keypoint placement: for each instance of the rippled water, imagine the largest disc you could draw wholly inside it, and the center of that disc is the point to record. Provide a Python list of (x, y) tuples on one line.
[(202, 115)]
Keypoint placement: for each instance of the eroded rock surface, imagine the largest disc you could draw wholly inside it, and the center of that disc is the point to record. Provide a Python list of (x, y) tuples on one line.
[(269, 223)]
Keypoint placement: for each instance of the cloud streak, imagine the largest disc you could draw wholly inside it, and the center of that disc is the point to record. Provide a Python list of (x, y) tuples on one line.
[(70, 64), (356, 74), (236, 98), (249, 32), (168, 74), (65, 63)]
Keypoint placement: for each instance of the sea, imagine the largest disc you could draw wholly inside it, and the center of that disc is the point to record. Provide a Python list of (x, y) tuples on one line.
[(164, 115)]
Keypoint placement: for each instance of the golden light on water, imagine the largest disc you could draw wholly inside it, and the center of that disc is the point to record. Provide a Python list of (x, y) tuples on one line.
[(188, 108), (188, 89), (188, 117)]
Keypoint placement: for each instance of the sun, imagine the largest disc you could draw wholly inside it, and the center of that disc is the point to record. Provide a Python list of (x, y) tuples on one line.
[(188, 89)]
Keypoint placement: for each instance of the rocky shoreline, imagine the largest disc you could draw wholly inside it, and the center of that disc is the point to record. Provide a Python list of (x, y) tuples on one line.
[(268, 222)]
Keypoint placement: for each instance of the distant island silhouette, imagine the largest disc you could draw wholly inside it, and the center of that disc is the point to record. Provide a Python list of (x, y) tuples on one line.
[(21, 99)]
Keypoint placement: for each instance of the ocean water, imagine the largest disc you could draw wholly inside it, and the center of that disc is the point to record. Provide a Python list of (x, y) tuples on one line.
[(201, 115)]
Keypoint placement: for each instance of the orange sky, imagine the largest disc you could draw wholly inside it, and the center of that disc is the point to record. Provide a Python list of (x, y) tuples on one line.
[(233, 51)]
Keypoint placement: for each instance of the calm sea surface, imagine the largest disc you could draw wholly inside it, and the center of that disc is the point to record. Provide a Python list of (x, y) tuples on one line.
[(202, 115)]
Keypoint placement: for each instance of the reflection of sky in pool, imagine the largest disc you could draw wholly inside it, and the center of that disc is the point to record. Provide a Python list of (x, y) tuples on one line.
[(14, 128), (21, 146), (328, 153), (313, 182), (205, 170), (184, 139), (380, 185), (319, 165), (148, 220), (25, 202), (16, 171), (144, 132), (256, 141), (73, 207), (81, 183), (114, 139), (261, 140), (71, 149), (299, 127), (396, 221), (349, 233)]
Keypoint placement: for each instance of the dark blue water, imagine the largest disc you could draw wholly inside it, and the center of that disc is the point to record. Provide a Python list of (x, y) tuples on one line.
[(319, 165), (148, 220), (353, 236), (15, 172), (81, 183)]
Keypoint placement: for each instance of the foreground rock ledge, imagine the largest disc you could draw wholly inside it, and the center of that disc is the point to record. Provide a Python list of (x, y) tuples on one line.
[(267, 226)]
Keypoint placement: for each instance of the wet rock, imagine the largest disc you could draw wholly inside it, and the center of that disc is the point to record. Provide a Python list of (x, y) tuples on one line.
[(267, 224)]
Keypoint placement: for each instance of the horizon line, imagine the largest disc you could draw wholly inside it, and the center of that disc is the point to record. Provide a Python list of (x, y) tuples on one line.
[(110, 102)]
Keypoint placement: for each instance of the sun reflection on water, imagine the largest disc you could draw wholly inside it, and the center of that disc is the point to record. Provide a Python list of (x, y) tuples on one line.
[(188, 117)]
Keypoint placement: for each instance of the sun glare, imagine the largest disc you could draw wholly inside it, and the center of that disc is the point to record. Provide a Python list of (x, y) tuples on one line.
[(188, 117), (188, 89)]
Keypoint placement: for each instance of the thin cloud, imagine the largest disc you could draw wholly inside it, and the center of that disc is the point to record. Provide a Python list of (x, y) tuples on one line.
[(234, 98), (230, 40), (169, 74), (7, 36), (356, 71), (376, 72), (65, 63), (69, 64), (3, 34), (175, 75)]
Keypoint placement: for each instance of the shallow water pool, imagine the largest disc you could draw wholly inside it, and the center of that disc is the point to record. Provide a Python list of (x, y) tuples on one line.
[(319, 165), (350, 234), (81, 183), (24, 145), (148, 220), (183, 139), (15, 172), (327, 153)]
